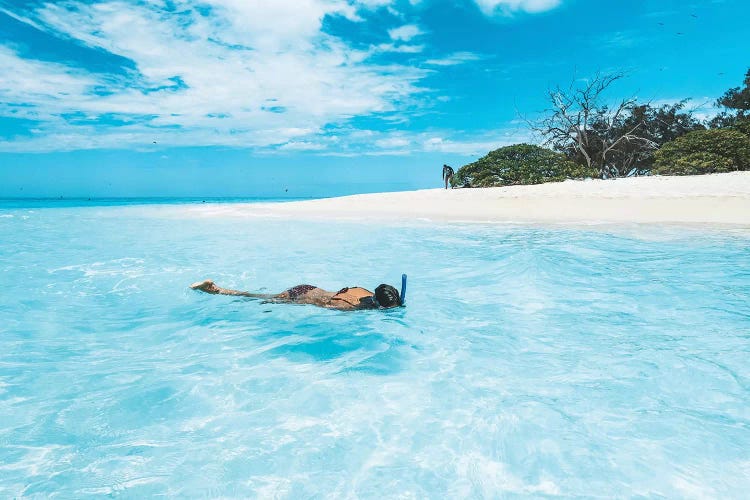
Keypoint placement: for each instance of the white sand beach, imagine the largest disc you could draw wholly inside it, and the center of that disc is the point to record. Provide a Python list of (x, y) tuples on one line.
[(715, 199)]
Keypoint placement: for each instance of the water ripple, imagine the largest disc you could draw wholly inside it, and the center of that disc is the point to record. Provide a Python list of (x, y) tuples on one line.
[(529, 362)]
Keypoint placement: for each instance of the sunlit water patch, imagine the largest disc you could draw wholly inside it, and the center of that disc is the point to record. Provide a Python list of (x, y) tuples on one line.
[(528, 362)]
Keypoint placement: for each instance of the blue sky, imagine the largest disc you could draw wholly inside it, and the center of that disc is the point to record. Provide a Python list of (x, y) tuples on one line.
[(320, 97)]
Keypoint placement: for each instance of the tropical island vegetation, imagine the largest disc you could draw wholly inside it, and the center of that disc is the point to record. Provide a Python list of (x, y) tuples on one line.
[(586, 137)]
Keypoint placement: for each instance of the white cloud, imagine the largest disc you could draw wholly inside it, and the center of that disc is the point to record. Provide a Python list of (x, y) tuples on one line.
[(404, 33), (20, 18), (478, 144), (22, 79), (490, 7), (243, 72), (301, 146), (259, 74), (402, 48), (443, 141), (454, 59), (702, 108), (392, 142)]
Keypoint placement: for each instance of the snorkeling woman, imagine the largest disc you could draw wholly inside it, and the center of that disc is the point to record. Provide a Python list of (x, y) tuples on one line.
[(346, 299)]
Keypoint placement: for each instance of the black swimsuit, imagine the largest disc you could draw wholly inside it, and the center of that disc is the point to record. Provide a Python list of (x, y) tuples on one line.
[(357, 297), (299, 290)]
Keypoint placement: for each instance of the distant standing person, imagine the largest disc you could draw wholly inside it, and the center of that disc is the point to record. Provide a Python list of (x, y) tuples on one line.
[(447, 174)]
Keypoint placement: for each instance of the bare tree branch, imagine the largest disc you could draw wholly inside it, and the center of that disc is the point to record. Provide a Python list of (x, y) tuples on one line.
[(580, 122)]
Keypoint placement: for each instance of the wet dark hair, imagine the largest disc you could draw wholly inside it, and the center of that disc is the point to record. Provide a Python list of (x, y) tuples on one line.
[(387, 296)]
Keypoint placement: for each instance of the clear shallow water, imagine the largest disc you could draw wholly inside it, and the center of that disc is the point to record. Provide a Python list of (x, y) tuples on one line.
[(529, 361)]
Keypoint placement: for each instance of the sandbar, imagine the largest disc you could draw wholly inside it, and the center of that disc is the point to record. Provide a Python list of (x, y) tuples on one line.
[(722, 199)]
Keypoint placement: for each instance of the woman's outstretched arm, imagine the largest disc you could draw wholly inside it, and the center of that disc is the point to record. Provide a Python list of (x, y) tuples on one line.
[(209, 286)]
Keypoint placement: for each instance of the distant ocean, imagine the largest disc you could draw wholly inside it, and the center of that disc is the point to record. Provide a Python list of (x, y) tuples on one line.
[(528, 361), (63, 202)]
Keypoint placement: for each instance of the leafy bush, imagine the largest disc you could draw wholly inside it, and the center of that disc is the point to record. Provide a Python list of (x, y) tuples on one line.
[(519, 164), (704, 152), (742, 125), (699, 163)]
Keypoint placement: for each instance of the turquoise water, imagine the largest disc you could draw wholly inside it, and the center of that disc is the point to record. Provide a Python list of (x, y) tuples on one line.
[(529, 361), (7, 203)]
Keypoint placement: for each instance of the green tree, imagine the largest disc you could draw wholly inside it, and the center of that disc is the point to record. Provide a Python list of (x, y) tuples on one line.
[(519, 164), (656, 126), (736, 104), (704, 152), (659, 125)]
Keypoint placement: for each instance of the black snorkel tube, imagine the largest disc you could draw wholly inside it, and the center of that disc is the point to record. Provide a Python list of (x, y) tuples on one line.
[(403, 290)]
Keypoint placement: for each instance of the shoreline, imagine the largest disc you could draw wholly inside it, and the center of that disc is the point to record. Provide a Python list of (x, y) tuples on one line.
[(721, 199)]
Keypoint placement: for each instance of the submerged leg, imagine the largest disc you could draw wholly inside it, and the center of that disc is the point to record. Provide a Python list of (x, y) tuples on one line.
[(209, 286)]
